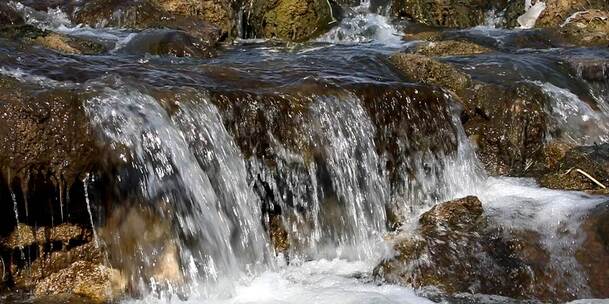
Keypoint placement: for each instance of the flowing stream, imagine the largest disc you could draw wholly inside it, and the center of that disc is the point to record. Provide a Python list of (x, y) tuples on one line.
[(316, 170)]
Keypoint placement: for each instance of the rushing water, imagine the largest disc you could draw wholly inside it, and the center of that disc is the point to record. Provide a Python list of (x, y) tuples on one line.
[(186, 162)]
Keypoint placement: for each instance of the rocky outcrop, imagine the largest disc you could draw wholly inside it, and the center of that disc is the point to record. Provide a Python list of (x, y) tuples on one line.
[(506, 123), (588, 28), (426, 70), (291, 20), (145, 14), (444, 13), (578, 169), (221, 13), (458, 248)]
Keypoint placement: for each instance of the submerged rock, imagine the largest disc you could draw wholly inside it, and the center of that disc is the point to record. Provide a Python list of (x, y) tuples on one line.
[(291, 20), (593, 255), (69, 45), (569, 173), (168, 42), (588, 28)]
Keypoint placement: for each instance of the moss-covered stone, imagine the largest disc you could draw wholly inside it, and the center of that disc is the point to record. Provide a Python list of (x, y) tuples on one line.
[(291, 20), (444, 13), (451, 48), (590, 28), (423, 69), (592, 160)]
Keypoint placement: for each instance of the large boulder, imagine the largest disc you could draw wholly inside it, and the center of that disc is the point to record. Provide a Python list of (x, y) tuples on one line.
[(221, 13), (291, 20), (556, 12), (458, 248), (426, 70)]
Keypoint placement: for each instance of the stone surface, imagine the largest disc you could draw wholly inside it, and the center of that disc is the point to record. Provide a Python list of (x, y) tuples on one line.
[(291, 20), (444, 13), (423, 69), (451, 48), (458, 249), (593, 160)]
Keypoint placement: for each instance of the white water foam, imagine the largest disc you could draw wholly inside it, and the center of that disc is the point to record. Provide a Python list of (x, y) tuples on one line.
[(531, 14), (363, 26)]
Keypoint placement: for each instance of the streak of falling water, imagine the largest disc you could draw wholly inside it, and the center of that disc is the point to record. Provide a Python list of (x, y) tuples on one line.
[(189, 160), (88, 202)]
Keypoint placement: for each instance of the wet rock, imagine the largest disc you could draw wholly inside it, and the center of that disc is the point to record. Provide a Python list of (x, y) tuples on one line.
[(590, 69), (569, 172), (423, 69), (168, 42), (589, 28), (144, 14), (25, 235), (9, 17), (221, 13), (450, 13), (45, 132), (96, 282), (279, 235), (451, 48), (507, 125), (69, 45), (291, 20), (593, 254), (146, 249), (558, 11), (457, 249)]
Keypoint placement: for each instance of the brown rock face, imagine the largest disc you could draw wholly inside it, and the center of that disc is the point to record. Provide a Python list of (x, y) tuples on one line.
[(423, 69), (457, 248), (506, 123), (588, 28), (8, 16), (444, 13), (570, 171), (451, 48), (291, 20), (44, 132), (221, 13), (593, 255), (557, 11)]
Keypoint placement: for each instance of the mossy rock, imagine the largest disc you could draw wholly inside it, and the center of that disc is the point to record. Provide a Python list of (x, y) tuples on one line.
[(291, 20), (443, 13), (588, 28)]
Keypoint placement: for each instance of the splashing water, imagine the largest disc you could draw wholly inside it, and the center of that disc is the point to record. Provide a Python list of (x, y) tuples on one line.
[(576, 119), (363, 26), (85, 183)]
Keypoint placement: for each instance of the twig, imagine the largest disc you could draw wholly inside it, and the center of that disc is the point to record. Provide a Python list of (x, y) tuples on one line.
[(588, 176)]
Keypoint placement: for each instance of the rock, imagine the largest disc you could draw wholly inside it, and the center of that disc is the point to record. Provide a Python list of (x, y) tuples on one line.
[(45, 130), (451, 48), (48, 263), (594, 70), (24, 235), (423, 69), (508, 125), (221, 13), (558, 11), (593, 160), (593, 254), (69, 45), (96, 282), (279, 235), (443, 13), (9, 17), (590, 28), (458, 249), (290, 20), (144, 14), (168, 42)]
